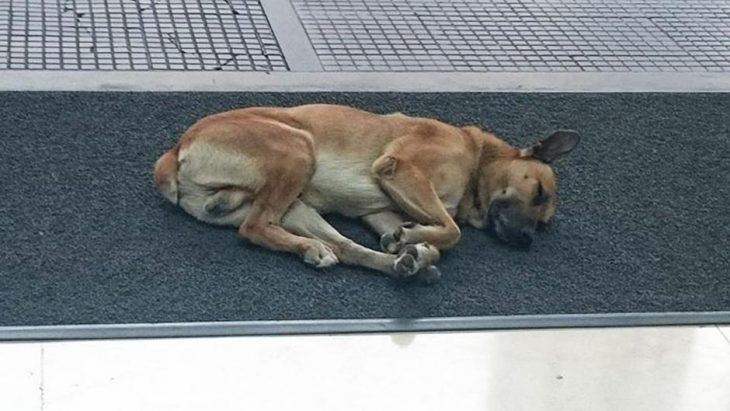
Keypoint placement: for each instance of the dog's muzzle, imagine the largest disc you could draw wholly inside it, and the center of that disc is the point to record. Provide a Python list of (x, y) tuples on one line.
[(509, 225)]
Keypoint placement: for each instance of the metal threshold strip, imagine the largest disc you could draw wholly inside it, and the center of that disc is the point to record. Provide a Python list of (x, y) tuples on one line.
[(142, 81), (347, 326)]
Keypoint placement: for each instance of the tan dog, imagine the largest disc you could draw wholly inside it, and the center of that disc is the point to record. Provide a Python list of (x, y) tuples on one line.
[(272, 172)]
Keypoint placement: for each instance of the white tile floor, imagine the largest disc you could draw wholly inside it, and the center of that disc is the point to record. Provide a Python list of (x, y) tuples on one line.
[(651, 368)]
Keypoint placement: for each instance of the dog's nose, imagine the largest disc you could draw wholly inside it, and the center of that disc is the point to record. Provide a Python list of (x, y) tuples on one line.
[(525, 238)]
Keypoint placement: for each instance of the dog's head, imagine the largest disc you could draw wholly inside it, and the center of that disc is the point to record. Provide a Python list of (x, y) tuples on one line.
[(518, 192)]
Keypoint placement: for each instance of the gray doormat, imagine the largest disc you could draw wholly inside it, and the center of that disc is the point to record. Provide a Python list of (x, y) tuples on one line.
[(641, 234)]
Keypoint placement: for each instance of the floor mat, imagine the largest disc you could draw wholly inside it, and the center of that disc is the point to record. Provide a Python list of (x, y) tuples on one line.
[(642, 225)]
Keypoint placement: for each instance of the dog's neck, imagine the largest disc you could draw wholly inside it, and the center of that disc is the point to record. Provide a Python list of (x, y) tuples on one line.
[(492, 149)]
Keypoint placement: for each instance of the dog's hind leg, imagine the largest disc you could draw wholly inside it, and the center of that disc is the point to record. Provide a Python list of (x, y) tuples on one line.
[(409, 187), (262, 225), (415, 259)]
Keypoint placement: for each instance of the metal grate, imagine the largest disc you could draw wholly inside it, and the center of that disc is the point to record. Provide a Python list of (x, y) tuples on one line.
[(519, 35), (137, 35)]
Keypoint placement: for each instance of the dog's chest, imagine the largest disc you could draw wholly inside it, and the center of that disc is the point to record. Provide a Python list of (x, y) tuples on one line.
[(344, 186)]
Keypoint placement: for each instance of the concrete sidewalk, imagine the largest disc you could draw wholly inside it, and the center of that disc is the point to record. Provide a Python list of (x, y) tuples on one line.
[(367, 35)]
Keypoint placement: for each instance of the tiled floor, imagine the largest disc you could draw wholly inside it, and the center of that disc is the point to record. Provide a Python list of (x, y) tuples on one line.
[(367, 35), (519, 35), (137, 35), (661, 368)]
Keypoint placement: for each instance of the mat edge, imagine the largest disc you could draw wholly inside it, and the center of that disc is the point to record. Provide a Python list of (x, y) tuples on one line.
[(350, 326), (300, 81)]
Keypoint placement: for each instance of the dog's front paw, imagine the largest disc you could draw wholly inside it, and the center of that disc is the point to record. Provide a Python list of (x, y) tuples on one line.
[(413, 258), (319, 255), (389, 244), (396, 241)]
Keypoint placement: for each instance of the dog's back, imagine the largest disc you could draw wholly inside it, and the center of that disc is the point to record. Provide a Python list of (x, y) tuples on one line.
[(224, 159)]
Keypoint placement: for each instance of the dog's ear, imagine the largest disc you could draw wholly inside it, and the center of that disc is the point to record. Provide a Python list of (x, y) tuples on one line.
[(556, 145)]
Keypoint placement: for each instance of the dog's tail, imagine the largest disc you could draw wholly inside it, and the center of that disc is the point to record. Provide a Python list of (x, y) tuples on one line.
[(166, 175)]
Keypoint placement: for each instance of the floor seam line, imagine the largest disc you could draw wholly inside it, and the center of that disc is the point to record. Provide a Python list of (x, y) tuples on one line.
[(723, 334), (42, 387)]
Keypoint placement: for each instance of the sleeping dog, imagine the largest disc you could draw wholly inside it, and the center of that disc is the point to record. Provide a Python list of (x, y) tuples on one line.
[(272, 172)]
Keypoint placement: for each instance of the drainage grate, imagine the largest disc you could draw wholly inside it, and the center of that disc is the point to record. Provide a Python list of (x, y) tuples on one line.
[(519, 35), (137, 35)]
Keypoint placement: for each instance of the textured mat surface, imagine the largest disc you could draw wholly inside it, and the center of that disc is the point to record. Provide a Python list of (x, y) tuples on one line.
[(643, 224)]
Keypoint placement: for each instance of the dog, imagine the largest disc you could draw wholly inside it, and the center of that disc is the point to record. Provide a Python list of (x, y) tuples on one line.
[(272, 172)]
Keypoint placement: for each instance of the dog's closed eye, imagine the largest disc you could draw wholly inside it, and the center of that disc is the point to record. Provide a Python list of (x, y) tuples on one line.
[(541, 196)]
